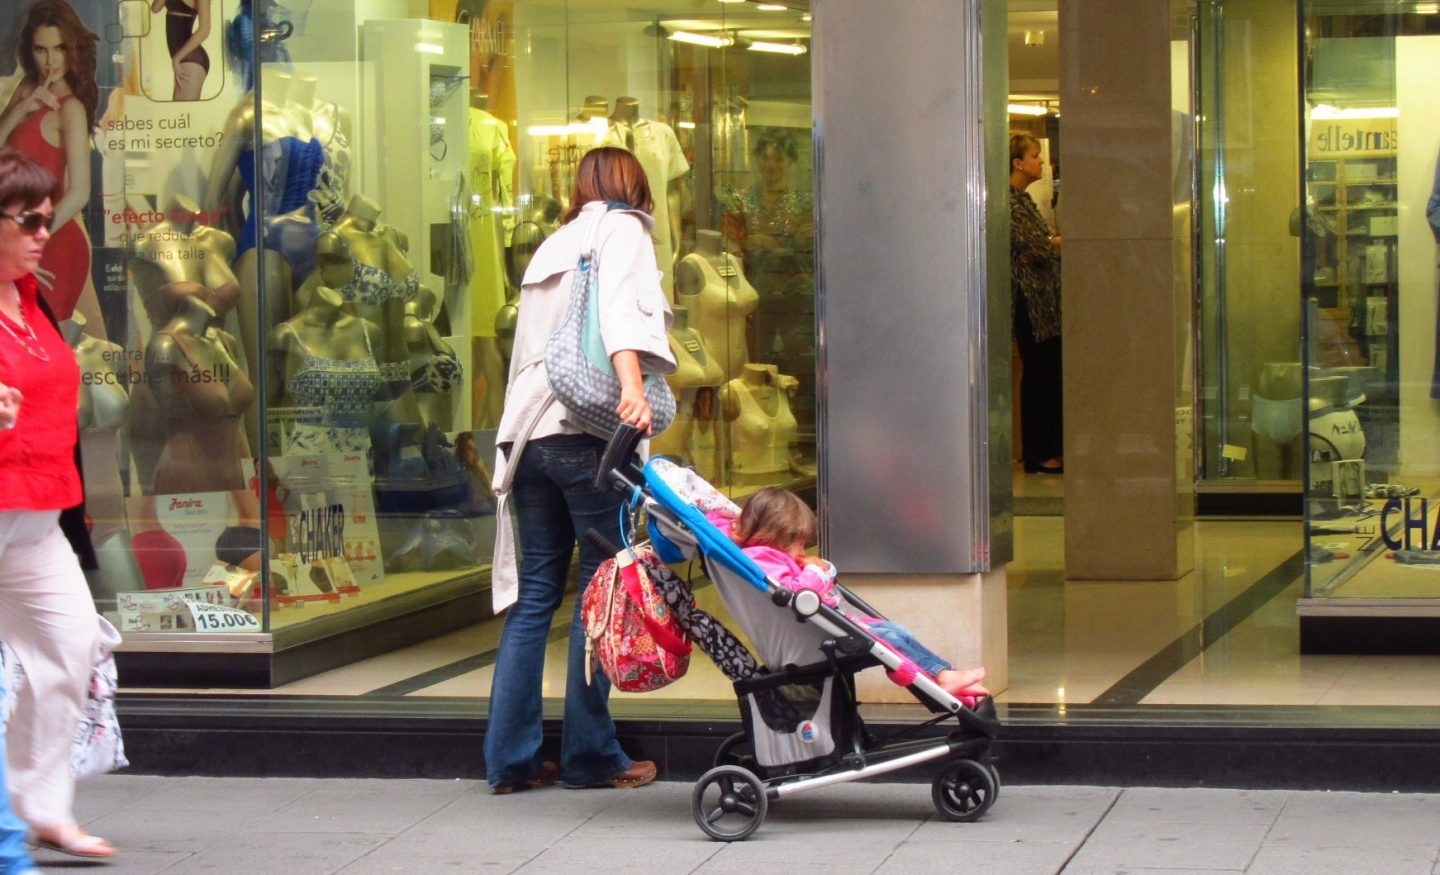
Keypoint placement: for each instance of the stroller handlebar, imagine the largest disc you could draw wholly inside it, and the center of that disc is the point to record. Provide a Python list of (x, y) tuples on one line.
[(618, 470)]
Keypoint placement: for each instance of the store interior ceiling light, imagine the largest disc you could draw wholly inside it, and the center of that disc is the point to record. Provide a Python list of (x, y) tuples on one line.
[(777, 48), (772, 7), (1025, 109), (1329, 112), (709, 40)]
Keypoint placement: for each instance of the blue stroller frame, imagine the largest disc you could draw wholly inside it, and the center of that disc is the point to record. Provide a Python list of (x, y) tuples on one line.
[(802, 727)]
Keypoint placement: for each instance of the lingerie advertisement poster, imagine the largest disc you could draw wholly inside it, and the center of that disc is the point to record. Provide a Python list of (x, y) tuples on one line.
[(326, 511)]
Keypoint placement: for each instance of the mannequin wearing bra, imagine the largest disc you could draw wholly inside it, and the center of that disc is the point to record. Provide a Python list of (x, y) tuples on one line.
[(435, 371), (303, 167), (381, 278), (180, 251), (695, 367), (762, 428), (323, 361), (710, 283), (200, 392)]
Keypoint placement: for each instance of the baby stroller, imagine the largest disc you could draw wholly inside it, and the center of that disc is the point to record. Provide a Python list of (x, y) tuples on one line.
[(802, 726)]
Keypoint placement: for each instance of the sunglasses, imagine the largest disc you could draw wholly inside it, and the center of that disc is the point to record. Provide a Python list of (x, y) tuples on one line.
[(30, 221)]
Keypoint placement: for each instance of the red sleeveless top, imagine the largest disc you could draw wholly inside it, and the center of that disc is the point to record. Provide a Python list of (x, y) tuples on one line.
[(37, 456)]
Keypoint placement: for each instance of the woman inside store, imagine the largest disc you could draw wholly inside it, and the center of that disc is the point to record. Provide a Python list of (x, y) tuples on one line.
[(187, 26), (46, 612), (552, 482), (1035, 299), (773, 226), (49, 118)]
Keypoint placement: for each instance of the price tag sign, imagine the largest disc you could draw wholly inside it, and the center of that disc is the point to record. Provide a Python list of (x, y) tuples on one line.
[(221, 618)]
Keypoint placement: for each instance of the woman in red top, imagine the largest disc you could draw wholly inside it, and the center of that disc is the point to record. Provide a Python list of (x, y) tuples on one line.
[(46, 613)]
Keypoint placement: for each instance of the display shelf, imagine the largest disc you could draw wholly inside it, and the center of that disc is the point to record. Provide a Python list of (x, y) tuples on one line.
[(1359, 254)]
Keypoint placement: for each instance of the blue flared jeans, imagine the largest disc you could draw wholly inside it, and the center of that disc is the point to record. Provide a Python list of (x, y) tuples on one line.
[(555, 502)]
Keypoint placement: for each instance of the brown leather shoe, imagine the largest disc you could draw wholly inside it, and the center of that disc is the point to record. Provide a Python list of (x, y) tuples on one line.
[(547, 775), (640, 773)]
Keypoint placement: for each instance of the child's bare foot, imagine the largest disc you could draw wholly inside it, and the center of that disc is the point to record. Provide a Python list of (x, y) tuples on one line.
[(954, 680)]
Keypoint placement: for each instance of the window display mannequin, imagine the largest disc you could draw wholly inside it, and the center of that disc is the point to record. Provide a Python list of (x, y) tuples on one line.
[(695, 367), (289, 169), (303, 168), (104, 407), (381, 277), (540, 222), (323, 361), (200, 392), (708, 446), (180, 252), (492, 169), (1277, 419), (435, 371), (762, 427), (658, 149), (709, 282)]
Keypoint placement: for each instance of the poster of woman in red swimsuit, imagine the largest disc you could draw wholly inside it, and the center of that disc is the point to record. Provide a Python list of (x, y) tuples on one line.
[(49, 118)]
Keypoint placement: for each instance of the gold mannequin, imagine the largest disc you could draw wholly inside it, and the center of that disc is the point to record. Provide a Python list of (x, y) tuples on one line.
[(200, 392), (382, 278), (179, 250)]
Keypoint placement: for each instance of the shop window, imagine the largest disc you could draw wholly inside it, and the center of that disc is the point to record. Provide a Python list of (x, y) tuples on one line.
[(295, 276)]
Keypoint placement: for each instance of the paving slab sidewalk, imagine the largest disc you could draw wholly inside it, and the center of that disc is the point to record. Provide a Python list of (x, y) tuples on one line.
[(298, 826)]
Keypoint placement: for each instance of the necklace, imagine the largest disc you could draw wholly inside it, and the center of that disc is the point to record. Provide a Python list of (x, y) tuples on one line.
[(29, 338)]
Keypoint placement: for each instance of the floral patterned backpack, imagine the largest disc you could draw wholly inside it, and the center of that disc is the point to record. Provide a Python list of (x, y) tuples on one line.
[(629, 629)]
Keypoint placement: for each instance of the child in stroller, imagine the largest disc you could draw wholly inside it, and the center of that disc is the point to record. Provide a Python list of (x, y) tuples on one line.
[(774, 528)]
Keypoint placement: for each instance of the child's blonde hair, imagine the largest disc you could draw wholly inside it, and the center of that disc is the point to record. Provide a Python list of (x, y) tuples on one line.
[(774, 517)]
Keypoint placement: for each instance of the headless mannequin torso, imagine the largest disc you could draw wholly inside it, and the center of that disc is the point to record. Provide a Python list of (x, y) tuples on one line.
[(762, 427), (710, 283), (201, 392)]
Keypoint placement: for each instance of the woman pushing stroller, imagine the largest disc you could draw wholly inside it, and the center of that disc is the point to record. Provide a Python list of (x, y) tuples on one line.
[(775, 526)]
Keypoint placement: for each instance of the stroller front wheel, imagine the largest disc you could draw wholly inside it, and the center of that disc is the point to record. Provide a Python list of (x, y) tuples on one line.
[(729, 803), (964, 790)]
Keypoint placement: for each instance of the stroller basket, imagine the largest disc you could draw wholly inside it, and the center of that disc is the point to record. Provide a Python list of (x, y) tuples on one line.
[(802, 728)]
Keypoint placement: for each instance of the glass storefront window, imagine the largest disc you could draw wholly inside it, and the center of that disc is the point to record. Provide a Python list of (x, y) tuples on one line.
[(1247, 319), (307, 224), (1372, 221)]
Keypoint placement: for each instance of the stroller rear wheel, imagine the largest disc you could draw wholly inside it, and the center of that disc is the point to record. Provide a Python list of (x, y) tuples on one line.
[(964, 790), (729, 803)]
